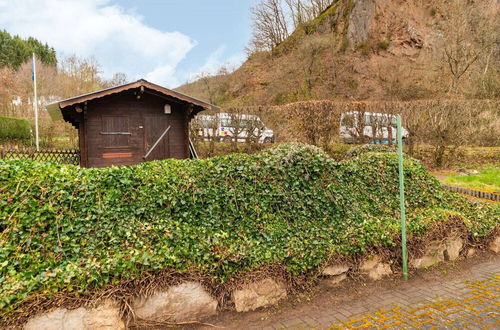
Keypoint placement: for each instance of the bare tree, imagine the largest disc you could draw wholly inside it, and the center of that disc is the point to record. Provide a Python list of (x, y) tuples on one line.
[(8, 89), (318, 6), (468, 37), (270, 25), (298, 12), (214, 85), (118, 79), (274, 20), (301, 11), (72, 76), (81, 75)]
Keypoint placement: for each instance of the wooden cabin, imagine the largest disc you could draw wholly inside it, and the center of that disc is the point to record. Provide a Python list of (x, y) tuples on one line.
[(130, 124)]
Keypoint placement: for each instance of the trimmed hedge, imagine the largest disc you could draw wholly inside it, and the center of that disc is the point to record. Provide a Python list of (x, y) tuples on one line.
[(66, 229), (14, 129)]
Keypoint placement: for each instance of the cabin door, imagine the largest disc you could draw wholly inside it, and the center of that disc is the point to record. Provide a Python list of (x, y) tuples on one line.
[(154, 127), (117, 141)]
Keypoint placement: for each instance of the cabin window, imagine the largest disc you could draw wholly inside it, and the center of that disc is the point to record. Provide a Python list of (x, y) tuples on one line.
[(115, 131)]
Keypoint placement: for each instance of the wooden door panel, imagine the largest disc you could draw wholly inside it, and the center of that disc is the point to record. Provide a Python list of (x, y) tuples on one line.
[(115, 132), (154, 127), (118, 140)]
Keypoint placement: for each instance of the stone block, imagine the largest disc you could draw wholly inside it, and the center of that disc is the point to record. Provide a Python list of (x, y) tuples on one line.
[(453, 248), (259, 294), (495, 245), (436, 252), (375, 268), (181, 303), (335, 270), (106, 316)]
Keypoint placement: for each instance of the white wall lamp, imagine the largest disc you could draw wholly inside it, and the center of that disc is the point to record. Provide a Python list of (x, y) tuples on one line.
[(167, 109)]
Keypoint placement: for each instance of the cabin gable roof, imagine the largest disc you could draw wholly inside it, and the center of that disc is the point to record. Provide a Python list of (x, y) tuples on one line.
[(56, 109)]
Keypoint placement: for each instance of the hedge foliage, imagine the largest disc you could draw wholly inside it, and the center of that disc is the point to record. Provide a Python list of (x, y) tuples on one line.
[(66, 229), (365, 148), (14, 129)]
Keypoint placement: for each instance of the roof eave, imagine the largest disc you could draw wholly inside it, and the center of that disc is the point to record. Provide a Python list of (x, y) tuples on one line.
[(54, 111), (136, 84)]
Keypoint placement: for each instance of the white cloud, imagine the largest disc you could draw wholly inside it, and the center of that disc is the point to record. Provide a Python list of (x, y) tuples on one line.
[(119, 39), (165, 74), (216, 60)]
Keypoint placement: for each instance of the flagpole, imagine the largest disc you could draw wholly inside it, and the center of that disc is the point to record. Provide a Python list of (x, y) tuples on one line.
[(402, 197), (35, 102)]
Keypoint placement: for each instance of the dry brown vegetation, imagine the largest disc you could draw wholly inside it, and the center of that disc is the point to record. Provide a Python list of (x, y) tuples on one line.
[(73, 76), (433, 62), (446, 125), (389, 50)]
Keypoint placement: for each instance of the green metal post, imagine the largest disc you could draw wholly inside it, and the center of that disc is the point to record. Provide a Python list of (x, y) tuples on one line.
[(402, 198)]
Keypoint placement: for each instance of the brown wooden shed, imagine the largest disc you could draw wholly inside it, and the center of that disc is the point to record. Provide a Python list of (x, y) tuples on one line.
[(130, 124)]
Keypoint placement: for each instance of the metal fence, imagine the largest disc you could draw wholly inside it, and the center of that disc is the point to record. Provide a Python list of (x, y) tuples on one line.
[(70, 157)]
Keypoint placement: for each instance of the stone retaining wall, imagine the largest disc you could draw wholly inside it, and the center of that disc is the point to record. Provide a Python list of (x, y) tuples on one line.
[(190, 302)]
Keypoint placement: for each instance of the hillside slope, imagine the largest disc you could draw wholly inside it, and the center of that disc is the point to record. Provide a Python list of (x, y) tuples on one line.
[(370, 49)]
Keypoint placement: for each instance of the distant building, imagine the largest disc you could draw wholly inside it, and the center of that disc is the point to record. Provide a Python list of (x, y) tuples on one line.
[(17, 101)]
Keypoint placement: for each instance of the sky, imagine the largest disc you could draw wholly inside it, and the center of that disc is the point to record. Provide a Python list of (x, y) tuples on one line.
[(168, 42)]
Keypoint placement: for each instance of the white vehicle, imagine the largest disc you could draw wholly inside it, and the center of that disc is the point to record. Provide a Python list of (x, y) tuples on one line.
[(232, 127), (371, 127)]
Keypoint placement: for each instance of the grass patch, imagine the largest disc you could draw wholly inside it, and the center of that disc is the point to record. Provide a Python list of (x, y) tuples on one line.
[(383, 44), (488, 179), (465, 158)]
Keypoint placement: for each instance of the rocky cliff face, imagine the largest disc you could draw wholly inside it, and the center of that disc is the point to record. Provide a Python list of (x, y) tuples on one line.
[(356, 49), (360, 21)]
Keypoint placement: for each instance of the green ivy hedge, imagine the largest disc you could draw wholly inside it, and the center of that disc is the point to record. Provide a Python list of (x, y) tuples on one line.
[(365, 148), (14, 129), (66, 229)]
